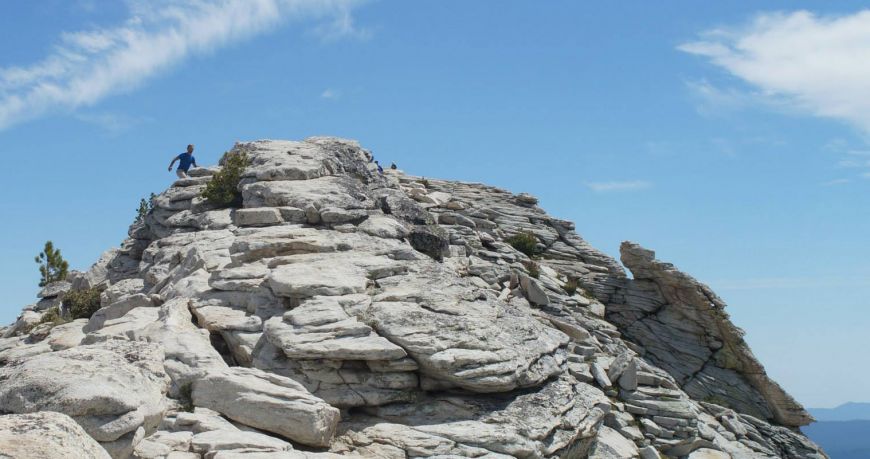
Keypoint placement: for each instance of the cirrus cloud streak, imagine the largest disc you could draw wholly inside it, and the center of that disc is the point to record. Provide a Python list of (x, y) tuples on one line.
[(88, 66)]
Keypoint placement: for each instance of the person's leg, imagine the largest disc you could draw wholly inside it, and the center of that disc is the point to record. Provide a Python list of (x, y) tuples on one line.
[(181, 174)]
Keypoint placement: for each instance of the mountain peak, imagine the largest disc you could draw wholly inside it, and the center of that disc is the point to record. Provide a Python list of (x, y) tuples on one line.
[(347, 310)]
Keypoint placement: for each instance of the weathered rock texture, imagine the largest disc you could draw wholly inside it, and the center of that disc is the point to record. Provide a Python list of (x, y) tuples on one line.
[(342, 311)]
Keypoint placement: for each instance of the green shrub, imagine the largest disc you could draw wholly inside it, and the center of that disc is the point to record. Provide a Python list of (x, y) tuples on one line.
[(534, 269), (52, 266), (145, 206), (142, 211), (424, 182), (526, 243), (52, 316), (223, 188), (82, 304), (570, 286)]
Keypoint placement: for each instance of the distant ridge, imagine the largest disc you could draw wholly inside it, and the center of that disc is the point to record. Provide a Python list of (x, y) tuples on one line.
[(851, 411)]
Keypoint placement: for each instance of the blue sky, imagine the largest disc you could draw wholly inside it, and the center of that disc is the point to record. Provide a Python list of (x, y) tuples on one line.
[(733, 140)]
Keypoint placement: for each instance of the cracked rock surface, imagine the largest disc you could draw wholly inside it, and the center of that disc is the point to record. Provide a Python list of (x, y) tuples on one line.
[(345, 312)]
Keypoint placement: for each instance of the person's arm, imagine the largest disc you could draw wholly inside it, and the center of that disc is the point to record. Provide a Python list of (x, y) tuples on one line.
[(172, 163), (193, 161)]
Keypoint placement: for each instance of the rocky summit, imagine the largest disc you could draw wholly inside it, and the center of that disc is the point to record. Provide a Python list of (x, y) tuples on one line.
[(341, 311)]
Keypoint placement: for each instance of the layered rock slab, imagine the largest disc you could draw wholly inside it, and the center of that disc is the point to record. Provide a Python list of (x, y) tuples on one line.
[(269, 402), (114, 390), (686, 330), (464, 337), (46, 434)]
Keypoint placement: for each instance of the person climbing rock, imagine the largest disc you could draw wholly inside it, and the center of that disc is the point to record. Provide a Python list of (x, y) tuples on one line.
[(380, 169), (185, 160), (393, 166)]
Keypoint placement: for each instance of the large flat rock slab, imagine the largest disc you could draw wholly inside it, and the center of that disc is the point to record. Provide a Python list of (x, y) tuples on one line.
[(321, 329), (322, 192), (268, 402), (44, 435), (111, 389), (466, 339), (305, 280)]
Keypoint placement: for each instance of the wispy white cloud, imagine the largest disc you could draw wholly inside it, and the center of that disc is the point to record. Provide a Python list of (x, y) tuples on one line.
[(606, 187), (342, 26), (713, 100), (87, 66), (835, 182), (852, 163), (330, 94), (111, 123), (855, 161), (810, 63)]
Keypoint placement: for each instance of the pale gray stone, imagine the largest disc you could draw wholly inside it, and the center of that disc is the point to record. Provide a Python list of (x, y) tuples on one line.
[(111, 389), (320, 328), (221, 440), (649, 452), (609, 444), (600, 375), (533, 291), (707, 453), (628, 378), (117, 310), (269, 402), (384, 227), (46, 434), (261, 216), (54, 289), (307, 280)]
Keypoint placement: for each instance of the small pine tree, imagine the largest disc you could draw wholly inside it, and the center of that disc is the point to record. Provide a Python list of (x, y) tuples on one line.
[(52, 266), (223, 188), (145, 206), (142, 211)]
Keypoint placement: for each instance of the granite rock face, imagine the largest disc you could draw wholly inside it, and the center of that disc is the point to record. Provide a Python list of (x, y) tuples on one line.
[(46, 434), (685, 329), (345, 312)]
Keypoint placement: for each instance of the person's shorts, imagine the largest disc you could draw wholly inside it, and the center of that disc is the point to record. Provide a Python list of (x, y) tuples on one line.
[(181, 173)]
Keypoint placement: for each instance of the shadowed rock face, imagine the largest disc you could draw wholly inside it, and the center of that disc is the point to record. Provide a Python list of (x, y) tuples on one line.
[(685, 330), (349, 312)]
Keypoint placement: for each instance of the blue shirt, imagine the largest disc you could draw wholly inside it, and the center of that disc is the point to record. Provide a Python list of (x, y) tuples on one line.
[(185, 160)]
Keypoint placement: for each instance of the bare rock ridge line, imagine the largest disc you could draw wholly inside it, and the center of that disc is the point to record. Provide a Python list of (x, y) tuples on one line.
[(345, 312), (720, 366)]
